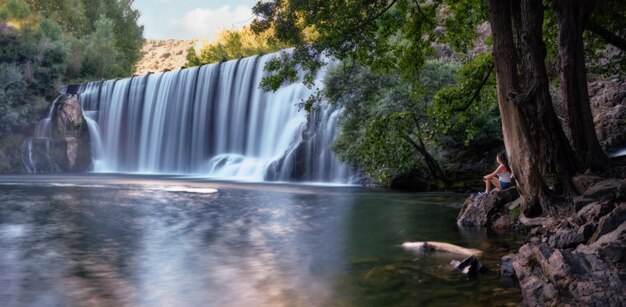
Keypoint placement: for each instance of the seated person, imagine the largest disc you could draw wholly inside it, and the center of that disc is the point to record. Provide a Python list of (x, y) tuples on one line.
[(503, 173)]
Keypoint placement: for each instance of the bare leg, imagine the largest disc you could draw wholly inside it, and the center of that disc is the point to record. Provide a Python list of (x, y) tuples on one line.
[(495, 182), (487, 185)]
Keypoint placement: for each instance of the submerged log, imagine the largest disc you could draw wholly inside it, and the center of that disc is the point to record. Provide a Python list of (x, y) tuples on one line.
[(440, 246)]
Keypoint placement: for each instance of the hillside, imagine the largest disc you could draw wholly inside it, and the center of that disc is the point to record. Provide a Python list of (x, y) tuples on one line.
[(160, 55)]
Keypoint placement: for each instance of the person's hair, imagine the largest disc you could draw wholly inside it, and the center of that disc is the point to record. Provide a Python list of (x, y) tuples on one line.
[(503, 158)]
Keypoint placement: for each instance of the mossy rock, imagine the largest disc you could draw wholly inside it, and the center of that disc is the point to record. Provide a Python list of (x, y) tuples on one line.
[(387, 277)]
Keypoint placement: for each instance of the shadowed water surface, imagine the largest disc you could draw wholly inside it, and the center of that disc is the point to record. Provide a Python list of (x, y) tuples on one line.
[(164, 241)]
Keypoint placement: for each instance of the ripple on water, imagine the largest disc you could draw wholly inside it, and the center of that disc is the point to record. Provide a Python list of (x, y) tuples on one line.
[(12, 231), (185, 189)]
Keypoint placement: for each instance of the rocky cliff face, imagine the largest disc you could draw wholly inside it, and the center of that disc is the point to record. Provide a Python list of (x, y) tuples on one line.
[(608, 105), (162, 55)]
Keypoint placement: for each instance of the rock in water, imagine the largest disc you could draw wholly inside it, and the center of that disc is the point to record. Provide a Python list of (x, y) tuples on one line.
[(469, 266), (506, 268), (481, 210)]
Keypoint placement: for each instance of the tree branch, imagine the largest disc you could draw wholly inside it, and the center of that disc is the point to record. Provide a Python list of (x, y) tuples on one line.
[(419, 9), (433, 165), (607, 35), (476, 93), (371, 19)]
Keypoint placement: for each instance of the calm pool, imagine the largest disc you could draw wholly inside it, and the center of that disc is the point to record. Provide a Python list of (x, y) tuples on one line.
[(122, 240)]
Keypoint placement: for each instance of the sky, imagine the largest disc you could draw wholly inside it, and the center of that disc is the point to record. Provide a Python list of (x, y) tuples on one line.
[(187, 19)]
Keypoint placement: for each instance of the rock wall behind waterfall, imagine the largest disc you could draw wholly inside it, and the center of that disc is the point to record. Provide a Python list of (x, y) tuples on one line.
[(61, 142), (211, 121)]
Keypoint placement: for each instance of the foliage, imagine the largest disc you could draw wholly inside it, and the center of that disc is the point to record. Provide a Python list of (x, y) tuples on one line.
[(31, 65), (100, 57), (413, 106), (398, 36), (608, 20), (14, 10), (77, 22), (13, 107), (44, 43), (469, 108), (392, 35), (233, 44), (515, 213), (400, 129)]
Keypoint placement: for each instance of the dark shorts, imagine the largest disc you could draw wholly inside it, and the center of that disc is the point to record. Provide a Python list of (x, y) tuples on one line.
[(504, 185)]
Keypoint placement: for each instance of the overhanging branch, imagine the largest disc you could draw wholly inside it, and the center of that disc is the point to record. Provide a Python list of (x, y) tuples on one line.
[(607, 35), (476, 92)]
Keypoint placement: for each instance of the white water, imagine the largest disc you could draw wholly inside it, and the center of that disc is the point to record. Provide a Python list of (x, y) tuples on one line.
[(211, 121), (619, 153), (36, 150)]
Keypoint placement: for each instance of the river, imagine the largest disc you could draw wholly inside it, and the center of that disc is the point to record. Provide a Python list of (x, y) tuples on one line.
[(125, 240)]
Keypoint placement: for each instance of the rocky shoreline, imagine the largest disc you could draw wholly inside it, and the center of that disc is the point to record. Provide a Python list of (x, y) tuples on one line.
[(572, 260)]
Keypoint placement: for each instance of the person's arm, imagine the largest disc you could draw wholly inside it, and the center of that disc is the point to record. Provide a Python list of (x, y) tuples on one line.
[(498, 170)]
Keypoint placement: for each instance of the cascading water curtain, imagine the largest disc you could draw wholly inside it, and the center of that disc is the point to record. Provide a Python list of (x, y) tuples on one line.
[(211, 121)]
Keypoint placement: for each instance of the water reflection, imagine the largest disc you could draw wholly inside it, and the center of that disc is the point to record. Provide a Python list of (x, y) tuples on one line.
[(132, 241)]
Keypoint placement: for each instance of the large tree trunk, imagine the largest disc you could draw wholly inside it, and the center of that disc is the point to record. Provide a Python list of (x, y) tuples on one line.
[(533, 137), (571, 17)]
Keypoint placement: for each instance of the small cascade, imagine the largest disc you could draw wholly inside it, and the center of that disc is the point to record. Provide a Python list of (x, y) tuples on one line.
[(36, 154), (90, 93), (619, 153), (211, 121)]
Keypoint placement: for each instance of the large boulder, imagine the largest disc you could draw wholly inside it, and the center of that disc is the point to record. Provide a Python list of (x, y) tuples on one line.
[(568, 237), (581, 261), (70, 135), (582, 182), (593, 211), (610, 189), (611, 221), (483, 210), (555, 277)]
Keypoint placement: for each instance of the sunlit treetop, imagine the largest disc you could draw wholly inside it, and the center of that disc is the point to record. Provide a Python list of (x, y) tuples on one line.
[(399, 34), (385, 35)]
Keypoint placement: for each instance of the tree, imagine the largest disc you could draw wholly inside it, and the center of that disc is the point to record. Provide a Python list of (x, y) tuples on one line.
[(68, 14), (469, 108), (394, 115), (101, 59), (14, 10), (533, 137), (234, 44), (13, 105), (79, 19), (192, 58), (398, 34), (128, 34), (36, 40), (571, 19), (31, 65)]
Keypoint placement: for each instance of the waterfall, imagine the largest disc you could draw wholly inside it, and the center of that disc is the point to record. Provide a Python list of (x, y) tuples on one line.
[(35, 151), (619, 153), (211, 121)]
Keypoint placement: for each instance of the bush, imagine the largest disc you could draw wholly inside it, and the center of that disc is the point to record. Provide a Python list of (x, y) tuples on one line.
[(14, 107)]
